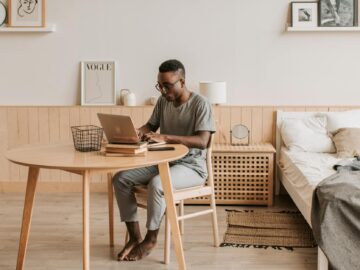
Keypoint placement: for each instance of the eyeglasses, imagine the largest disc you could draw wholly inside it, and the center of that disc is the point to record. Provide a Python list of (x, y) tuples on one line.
[(166, 87)]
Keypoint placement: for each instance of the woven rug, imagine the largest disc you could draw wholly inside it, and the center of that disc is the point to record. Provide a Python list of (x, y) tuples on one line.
[(284, 229)]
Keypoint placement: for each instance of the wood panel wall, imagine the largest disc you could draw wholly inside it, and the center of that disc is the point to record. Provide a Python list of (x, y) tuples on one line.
[(28, 125)]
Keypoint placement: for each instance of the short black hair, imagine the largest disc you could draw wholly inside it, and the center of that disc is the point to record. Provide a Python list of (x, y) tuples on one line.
[(172, 65)]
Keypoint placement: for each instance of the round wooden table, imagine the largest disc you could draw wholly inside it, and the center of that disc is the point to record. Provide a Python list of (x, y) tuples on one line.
[(64, 157)]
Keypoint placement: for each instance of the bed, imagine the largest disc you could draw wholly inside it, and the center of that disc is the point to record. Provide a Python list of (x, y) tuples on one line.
[(300, 172), (306, 155)]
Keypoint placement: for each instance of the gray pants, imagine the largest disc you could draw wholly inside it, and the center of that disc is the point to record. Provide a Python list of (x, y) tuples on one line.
[(181, 177)]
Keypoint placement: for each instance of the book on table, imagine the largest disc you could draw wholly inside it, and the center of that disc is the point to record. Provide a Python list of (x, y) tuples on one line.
[(107, 154), (138, 145), (129, 150), (125, 150)]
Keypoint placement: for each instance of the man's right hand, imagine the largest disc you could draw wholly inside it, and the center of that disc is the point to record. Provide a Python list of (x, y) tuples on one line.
[(139, 133), (142, 131)]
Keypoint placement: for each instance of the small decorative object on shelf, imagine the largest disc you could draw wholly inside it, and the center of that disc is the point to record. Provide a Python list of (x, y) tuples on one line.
[(98, 84), (130, 99), (87, 138), (240, 132), (122, 94), (304, 14), (127, 97), (26, 13), (3, 13), (334, 13)]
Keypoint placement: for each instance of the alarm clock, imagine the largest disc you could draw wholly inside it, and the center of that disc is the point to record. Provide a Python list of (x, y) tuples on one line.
[(3, 13)]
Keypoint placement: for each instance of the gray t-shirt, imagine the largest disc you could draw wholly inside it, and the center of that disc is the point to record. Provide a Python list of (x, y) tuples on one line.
[(187, 119)]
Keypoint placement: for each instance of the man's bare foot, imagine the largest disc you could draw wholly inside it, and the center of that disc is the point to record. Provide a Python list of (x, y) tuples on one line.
[(126, 250), (140, 251)]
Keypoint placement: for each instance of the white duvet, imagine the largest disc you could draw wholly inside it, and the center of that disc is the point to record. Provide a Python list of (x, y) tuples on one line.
[(305, 170)]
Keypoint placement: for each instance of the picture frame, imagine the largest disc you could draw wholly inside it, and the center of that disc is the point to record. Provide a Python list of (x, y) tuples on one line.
[(3, 14), (26, 13), (337, 13), (304, 14), (98, 83)]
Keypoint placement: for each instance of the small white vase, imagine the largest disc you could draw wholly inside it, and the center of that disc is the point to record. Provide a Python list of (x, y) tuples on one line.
[(130, 99)]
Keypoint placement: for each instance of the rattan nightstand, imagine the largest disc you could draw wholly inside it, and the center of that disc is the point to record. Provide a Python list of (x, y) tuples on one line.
[(242, 174)]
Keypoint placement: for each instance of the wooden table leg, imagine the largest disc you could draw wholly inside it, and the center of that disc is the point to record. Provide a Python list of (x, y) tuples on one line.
[(86, 230), (27, 213), (171, 213), (111, 208)]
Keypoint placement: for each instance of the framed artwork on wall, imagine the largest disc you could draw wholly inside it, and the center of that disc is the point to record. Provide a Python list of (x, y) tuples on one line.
[(304, 14), (26, 13), (3, 13), (98, 83), (337, 13)]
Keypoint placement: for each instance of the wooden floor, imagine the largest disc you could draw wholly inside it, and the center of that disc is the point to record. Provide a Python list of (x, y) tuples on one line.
[(56, 237)]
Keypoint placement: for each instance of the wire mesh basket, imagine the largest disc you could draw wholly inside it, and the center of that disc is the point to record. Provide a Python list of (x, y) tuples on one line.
[(87, 138)]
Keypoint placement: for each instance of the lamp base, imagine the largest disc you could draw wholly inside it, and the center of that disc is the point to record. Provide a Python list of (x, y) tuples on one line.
[(239, 144)]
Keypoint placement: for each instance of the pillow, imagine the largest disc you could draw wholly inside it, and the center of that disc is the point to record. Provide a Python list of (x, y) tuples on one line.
[(347, 142), (347, 119), (307, 135)]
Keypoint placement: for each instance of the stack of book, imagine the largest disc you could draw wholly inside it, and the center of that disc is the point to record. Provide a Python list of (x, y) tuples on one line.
[(125, 150)]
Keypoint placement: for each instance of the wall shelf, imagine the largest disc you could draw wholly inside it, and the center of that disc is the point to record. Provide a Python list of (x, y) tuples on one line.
[(47, 29), (289, 28)]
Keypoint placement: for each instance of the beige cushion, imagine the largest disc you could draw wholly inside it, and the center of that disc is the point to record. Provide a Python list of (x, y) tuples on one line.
[(347, 142)]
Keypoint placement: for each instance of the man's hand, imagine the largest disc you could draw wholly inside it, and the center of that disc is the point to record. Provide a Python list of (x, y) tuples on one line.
[(139, 133), (144, 130), (154, 137), (200, 140)]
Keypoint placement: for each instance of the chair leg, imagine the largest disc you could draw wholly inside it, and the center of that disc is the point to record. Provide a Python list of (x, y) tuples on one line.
[(167, 241), (214, 221), (111, 209), (126, 236), (181, 213)]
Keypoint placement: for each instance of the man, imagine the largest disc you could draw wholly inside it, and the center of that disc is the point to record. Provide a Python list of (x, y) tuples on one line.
[(183, 117)]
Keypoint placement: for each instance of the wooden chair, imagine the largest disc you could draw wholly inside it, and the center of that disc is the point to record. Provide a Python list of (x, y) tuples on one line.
[(206, 190)]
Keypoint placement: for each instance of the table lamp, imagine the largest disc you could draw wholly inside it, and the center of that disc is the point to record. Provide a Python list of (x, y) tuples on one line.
[(215, 92)]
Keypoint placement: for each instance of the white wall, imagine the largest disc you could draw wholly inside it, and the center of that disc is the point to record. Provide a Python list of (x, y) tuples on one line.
[(240, 41)]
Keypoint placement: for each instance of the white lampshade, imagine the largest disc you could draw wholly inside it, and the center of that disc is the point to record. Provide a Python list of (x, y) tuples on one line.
[(215, 92)]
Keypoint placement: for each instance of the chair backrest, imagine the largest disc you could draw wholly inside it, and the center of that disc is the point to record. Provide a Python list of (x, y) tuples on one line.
[(209, 149), (208, 161)]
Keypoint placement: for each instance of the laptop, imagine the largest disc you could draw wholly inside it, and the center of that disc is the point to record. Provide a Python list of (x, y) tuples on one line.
[(120, 129)]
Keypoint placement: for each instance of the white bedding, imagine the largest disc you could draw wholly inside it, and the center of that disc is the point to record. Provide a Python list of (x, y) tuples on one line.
[(304, 170)]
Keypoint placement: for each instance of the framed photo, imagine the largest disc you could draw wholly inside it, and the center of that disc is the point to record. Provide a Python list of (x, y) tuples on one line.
[(337, 13), (98, 83), (3, 13), (26, 13), (304, 14)]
